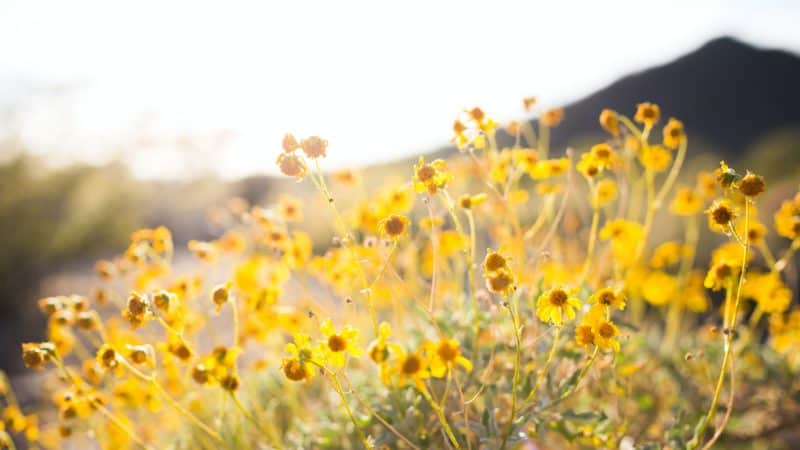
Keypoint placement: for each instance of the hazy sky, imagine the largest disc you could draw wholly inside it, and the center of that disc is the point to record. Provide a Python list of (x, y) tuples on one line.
[(377, 79)]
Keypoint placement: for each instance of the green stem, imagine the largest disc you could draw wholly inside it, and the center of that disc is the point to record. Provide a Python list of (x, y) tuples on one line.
[(515, 381), (442, 419), (338, 388), (546, 367)]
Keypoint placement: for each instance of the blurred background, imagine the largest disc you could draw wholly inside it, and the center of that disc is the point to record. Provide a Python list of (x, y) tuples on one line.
[(115, 116)]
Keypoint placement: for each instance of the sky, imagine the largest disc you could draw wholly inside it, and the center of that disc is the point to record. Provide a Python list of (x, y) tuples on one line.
[(178, 88)]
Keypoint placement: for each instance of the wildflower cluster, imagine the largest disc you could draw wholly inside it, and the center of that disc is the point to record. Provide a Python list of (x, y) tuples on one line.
[(592, 320)]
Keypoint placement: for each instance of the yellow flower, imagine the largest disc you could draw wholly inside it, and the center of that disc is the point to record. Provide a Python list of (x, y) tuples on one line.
[(655, 158), (726, 176), (604, 155), (380, 350), (36, 355), (220, 295), (431, 177), (445, 354), (673, 133), (720, 214), (605, 192), (608, 120), (658, 287), (494, 261), (647, 113), (549, 168), (552, 117), (584, 335), (396, 200), (394, 227), (107, 357), (751, 185), (411, 368), (290, 208), (470, 201), (137, 309), (686, 202), (769, 291), (667, 254), (300, 366), (289, 143), (204, 251), (524, 159), (554, 304), (291, 165), (625, 235), (720, 274), (787, 218), (339, 344), (528, 103), (588, 166), (609, 298), (500, 281), (314, 146), (346, 177), (451, 243), (604, 331)]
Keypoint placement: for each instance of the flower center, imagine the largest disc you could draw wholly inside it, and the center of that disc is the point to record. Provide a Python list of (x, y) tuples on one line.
[(294, 370), (337, 343), (425, 173), (606, 330), (411, 365), (447, 352), (558, 298)]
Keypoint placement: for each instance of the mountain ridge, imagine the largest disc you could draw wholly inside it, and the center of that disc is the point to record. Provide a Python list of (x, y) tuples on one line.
[(726, 91)]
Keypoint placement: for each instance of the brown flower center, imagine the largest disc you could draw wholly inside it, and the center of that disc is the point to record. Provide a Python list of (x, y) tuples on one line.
[(558, 298), (425, 173), (337, 343), (606, 298), (446, 351), (411, 365), (294, 370), (606, 330)]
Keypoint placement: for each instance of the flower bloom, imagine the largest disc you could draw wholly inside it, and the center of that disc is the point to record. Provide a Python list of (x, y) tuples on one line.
[(445, 355), (554, 304), (338, 344)]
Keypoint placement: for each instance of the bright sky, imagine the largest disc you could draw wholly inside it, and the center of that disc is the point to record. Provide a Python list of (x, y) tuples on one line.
[(92, 79)]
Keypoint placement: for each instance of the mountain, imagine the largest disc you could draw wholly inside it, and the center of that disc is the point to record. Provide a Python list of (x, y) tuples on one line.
[(727, 92)]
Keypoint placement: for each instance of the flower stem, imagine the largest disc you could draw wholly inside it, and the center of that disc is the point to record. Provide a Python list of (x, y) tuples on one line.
[(440, 414), (546, 367), (338, 388), (515, 381)]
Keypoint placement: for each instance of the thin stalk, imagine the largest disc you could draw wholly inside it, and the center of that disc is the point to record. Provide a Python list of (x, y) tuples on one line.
[(471, 274), (338, 388), (546, 367), (590, 248), (377, 416), (515, 382), (582, 375), (673, 173), (440, 414)]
